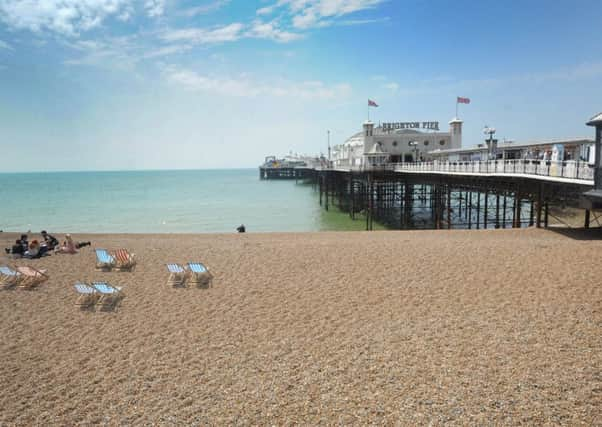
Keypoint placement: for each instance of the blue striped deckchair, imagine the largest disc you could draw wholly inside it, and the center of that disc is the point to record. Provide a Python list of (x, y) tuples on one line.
[(87, 295), (104, 260), (177, 275), (199, 274), (109, 295), (9, 277)]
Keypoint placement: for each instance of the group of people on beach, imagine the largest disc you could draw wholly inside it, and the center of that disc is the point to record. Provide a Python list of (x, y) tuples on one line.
[(23, 248)]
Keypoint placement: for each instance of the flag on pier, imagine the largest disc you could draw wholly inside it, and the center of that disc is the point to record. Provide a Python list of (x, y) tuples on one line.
[(461, 100), (372, 103)]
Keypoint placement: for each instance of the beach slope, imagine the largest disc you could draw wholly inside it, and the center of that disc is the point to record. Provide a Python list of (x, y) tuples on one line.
[(496, 327)]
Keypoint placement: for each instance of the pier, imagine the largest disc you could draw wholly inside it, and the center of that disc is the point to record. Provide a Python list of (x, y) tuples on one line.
[(480, 194)]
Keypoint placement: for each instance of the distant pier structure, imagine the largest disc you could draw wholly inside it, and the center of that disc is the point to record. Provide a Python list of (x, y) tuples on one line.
[(389, 175), (291, 167)]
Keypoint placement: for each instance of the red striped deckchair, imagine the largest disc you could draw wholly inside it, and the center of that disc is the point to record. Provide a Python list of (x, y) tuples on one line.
[(124, 260)]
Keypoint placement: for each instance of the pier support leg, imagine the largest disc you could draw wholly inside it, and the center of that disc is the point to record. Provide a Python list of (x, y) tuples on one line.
[(478, 209), (485, 213), (351, 198), (469, 210), (497, 210), (531, 214), (516, 210), (587, 214), (545, 215), (326, 185), (449, 207), (538, 208), (408, 202), (504, 212)]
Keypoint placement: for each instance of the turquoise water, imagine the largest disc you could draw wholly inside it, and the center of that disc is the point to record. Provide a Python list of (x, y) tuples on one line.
[(161, 202)]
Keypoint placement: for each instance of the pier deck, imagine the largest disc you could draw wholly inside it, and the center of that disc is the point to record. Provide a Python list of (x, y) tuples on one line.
[(436, 195)]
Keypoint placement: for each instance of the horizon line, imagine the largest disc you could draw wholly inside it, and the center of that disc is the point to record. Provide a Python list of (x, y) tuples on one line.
[(122, 170)]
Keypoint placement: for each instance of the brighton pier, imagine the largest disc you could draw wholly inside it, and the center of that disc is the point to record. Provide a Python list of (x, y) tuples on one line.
[(394, 179)]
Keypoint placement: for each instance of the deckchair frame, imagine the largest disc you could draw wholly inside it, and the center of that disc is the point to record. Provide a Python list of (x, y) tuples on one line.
[(104, 260), (88, 295), (9, 277), (124, 260), (177, 275), (199, 274), (109, 295), (31, 277)]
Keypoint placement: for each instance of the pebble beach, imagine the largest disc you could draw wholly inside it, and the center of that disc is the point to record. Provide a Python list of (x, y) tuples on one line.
[(490, 327)]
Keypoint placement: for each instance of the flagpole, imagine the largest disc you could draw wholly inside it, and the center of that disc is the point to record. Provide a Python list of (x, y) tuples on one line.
[(456, 107), (368, 110)]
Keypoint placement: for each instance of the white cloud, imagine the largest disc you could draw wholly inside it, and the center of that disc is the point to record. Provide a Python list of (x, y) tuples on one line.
[(6, 46), (114, 53), (206, 8), (230, 33), (154, 8), (245, 87), (227, 33), (270, 30), (67, 17), (314, 13), (166, 51)]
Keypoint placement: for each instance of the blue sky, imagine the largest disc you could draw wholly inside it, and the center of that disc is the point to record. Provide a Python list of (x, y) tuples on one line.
[(170, 84)]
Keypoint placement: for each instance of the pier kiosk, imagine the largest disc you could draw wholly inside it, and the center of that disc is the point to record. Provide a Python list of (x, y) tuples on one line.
[(592, 199)]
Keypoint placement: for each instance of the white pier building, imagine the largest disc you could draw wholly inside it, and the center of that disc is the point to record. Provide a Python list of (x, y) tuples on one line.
[(395, 143)]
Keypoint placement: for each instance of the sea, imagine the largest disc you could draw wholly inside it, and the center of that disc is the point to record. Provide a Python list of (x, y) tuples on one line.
[(182, 201)]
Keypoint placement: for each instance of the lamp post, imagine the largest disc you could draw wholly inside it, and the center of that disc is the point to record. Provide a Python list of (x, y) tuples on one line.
[(491, 143), (328, 132), (414, 145)]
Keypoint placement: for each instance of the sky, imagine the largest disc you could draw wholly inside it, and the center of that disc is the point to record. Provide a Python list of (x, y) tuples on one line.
[(182, 84)]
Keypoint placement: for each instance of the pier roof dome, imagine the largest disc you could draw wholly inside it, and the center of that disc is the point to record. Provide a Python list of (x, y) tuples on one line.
[(596, 120)]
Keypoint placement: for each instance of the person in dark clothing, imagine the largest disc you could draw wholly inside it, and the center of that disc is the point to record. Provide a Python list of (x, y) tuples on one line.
[(24, 243), (51, 241), (82, 244), (241, 228), (17, 248)]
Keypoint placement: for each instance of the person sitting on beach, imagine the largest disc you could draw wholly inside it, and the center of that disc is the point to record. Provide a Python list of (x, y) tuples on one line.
[(51, 241), (24, 243), (68, 246), (241, 228), (34, 250), (17, 249)]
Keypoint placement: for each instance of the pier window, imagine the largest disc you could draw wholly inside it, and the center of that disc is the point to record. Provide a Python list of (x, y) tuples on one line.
[(442, 142), (426, 143), (394, 143)]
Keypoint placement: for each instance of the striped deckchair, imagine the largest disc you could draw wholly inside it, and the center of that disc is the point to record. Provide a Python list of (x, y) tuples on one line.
[(177, 275), (31, 277), (9, 277), (87, 295), (104, 260), (109, 295), (124, 261), (199, 274)]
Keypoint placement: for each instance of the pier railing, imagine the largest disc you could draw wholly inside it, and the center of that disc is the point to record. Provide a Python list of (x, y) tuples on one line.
[(566, 169)]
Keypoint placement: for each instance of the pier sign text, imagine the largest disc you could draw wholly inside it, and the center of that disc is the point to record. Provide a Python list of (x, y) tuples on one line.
[(410, 125)]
